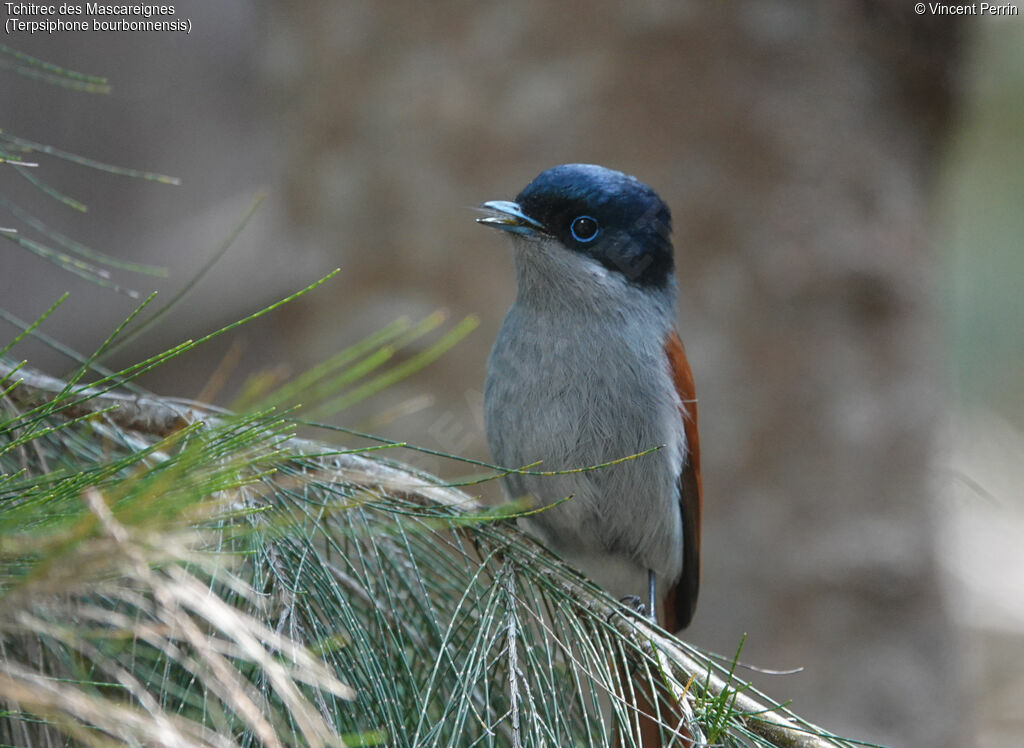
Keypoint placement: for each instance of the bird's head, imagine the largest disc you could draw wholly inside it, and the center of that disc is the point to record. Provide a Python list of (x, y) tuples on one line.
[(602, 228)]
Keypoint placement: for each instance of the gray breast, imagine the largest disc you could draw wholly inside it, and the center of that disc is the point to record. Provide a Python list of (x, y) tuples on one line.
[(559, 394)]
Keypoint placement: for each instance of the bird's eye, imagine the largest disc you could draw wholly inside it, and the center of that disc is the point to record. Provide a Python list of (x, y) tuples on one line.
[(584, 229)]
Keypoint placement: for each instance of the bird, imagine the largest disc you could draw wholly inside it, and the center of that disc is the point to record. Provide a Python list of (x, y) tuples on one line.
[(588, 368)]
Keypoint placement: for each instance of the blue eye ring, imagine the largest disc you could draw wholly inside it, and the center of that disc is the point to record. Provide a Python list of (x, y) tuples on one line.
[(584, 229)]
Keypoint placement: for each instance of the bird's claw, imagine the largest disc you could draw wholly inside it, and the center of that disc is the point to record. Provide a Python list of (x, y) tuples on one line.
[(635, 604)]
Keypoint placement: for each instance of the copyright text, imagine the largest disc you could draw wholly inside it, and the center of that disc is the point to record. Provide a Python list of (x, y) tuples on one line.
[(972, 9)]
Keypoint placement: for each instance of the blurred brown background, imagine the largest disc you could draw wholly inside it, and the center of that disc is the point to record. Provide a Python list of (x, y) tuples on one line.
[(845, 180)]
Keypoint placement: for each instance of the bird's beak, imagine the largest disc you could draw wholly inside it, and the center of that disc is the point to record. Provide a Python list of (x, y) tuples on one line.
[(508, 216)]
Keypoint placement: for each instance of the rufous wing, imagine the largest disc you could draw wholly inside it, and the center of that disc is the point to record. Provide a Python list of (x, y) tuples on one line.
[(681, 599)]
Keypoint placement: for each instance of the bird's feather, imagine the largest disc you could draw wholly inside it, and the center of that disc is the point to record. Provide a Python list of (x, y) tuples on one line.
[(681, 599)]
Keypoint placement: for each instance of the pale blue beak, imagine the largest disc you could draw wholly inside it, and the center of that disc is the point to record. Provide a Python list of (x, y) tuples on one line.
[(508, 216)]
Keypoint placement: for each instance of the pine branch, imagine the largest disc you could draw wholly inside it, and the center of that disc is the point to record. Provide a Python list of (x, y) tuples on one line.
[(154, 416), (679, 666)]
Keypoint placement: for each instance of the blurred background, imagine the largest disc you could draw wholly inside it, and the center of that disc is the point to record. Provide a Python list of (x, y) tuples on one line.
[(846, 181)]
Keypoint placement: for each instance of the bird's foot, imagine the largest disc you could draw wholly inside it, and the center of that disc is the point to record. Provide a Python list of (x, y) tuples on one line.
[(636, 604)]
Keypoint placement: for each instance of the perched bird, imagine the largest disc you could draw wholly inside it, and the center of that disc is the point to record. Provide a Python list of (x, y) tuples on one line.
[(586, 369)]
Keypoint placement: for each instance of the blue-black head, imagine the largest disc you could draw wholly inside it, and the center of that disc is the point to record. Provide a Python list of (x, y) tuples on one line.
[(606, 215)]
